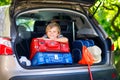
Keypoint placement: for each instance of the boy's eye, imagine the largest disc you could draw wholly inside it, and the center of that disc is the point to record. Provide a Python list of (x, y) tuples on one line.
[(54, 31), (49, 31)]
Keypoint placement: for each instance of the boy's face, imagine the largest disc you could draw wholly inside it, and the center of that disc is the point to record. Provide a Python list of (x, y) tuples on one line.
[(53, 33)]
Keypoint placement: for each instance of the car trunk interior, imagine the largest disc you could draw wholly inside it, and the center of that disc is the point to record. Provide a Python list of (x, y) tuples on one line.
[(74, 26)]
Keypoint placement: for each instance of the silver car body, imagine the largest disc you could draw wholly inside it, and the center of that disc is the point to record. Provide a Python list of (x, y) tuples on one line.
[(11, 69)]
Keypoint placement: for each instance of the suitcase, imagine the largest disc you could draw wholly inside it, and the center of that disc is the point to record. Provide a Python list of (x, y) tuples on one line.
[(40, 45), (45, 58)]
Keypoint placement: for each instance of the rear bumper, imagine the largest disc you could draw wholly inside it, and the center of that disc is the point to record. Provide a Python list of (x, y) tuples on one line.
[(97, 75), (11, 70)]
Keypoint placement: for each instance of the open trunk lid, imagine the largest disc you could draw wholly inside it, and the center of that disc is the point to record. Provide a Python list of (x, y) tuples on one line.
[(18, 5)]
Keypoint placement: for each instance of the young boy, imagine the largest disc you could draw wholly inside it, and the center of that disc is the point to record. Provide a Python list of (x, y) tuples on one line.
[(53, 32)]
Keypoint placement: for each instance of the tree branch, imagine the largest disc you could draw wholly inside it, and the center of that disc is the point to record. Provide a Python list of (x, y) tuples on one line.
[(116, 28)]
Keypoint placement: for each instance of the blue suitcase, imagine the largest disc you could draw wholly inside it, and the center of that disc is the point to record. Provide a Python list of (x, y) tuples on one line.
[(43, 58)]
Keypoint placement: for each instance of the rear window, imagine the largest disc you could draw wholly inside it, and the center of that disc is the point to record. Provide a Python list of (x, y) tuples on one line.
[(37, 20)]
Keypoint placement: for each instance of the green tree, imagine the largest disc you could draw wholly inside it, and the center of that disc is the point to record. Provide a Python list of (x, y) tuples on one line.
[(4, 2), (108, 15)]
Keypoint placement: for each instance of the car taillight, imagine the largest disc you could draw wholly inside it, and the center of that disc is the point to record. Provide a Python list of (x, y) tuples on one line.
[(112, 47), (5, 46), (114, 75)]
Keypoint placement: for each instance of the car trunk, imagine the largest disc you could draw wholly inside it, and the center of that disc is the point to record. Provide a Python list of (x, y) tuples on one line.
[(70, 14), (75, 26)]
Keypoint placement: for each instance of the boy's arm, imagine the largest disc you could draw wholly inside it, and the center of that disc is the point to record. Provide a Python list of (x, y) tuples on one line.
[(62, 39)]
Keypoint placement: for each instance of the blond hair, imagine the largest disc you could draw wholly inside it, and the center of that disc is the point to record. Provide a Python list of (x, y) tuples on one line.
[(53, 24)]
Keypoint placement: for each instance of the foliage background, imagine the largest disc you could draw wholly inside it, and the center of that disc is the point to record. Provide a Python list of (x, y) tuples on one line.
[(108, 15), (4, 2)]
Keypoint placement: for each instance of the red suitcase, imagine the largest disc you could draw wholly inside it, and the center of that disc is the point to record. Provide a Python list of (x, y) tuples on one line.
[(40, 45)]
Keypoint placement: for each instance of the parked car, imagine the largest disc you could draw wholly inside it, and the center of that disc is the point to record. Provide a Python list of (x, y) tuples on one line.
[(24, 20)]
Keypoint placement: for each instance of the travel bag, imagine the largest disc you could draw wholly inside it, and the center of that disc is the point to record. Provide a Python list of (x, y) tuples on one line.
[(41, 45), (45, 58)]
